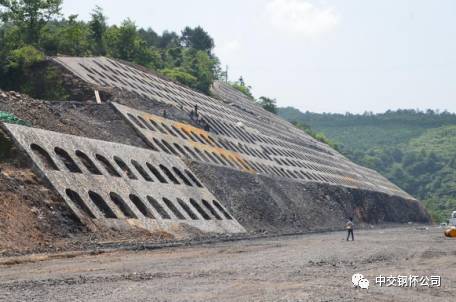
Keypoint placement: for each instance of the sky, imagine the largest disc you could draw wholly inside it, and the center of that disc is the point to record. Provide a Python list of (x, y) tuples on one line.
[(320, 56)]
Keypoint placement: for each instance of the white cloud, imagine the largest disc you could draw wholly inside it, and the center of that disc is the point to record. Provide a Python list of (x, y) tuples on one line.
[(228, 50), (230, 46), (301, 17)]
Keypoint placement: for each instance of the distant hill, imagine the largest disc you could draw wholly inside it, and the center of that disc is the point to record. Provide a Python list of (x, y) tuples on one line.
[(414, 149)]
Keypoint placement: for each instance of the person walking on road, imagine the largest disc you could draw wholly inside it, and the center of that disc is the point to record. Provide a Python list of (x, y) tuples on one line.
[(349, 227)]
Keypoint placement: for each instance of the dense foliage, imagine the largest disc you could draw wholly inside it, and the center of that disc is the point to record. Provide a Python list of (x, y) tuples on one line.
[(414, 149), (268, 104), (32, 29)]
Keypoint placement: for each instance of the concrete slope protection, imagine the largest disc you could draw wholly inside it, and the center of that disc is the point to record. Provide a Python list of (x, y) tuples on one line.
[(243, 126), (216, 165), (233, 133), (121, 186)]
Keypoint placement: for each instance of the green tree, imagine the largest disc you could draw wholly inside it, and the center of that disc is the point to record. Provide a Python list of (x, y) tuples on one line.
[(149, 36), (197, 38), (201, 66), (186, 58), (180, 75), (146, 56), (98, 26), (268, 104), (50, 38), (126, 41), (169, 40), (73, 37), (22, 75), (29, 15), (172, 57), (10, 38), (26, 56)]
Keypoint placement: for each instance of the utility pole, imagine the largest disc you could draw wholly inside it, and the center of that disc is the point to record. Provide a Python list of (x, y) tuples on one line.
[(226, 74)]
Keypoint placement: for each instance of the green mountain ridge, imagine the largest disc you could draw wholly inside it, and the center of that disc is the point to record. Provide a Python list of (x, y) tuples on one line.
[(416, 150)]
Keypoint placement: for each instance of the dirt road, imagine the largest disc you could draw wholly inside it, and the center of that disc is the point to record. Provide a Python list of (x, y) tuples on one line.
[(316, 267)]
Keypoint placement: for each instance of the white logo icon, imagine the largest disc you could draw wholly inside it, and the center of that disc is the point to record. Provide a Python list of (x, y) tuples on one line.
[(358, 280), (363, 283)]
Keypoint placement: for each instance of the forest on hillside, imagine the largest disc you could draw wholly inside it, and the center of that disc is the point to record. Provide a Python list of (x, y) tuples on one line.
[(31, 30), (414, 149)]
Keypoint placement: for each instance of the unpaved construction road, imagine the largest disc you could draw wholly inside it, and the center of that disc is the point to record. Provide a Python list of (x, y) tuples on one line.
[(315, 267)]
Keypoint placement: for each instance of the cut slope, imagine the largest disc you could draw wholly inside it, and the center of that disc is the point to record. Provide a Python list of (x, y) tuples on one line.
[(302, 184), (413, 149)]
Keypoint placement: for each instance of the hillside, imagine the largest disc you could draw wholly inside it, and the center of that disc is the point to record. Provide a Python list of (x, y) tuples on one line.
[(414, 149), (31, 30)]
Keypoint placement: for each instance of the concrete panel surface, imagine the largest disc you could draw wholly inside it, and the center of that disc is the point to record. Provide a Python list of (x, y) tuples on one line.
[(122, 186)]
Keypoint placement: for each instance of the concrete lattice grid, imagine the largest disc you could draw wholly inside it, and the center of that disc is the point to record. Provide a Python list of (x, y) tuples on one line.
[(194, 143), (234, 96), (104, 72), (264, 142), (121, 186)]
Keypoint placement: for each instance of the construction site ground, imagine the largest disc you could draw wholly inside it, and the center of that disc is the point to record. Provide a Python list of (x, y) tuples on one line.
[(311, 267)]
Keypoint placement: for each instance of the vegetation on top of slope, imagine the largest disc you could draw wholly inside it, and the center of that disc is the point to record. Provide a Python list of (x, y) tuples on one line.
[(269, 104), (320, 136), (242, 87), (414, 149), (29, 30)]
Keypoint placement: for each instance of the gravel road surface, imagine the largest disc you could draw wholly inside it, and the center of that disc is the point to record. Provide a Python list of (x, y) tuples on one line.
[(315, 267)]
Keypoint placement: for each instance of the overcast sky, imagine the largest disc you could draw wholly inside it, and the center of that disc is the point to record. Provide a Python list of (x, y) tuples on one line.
[(321, 56)]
